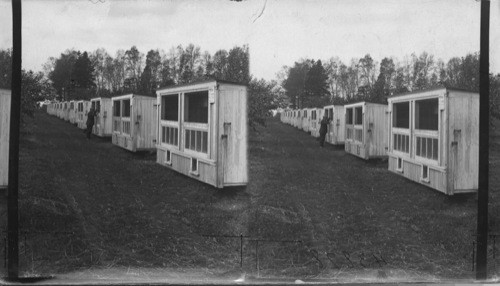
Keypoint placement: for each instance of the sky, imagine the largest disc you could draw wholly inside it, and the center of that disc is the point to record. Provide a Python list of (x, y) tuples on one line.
[(278, 32)]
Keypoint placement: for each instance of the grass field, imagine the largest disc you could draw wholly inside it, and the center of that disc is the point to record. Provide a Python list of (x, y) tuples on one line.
[(91, 207)]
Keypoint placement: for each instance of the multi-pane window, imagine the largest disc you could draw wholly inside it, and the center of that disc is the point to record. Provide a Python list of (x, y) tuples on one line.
[(426, 114), (126, 127), (196, 107), (349, 116), (358, 113), (402, 143), (126, 108), (427, 147), (349, 133), (196, 140), (116, 108), (358, 135), (170, 107), (401, 115), (170, 135)]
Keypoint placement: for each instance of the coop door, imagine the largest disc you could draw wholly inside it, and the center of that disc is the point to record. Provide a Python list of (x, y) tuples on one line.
[(232, 130)]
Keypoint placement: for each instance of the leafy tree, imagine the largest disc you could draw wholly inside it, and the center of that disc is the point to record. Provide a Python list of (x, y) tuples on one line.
[(495, 96), (238, 69), (260, 101), (5, 68), (133, 67), (422, 65), (83, 72), (220, 64), (316, 86), (151, 77), (332, 70), (366, 68), (295, 82), (99, 61), (61, 75), (382, 87)]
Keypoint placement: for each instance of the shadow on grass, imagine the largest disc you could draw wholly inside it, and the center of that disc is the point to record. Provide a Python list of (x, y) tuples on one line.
[(231, 192)]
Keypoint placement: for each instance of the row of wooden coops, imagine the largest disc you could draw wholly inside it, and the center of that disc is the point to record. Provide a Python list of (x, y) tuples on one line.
[(430, 136), (198, 129)]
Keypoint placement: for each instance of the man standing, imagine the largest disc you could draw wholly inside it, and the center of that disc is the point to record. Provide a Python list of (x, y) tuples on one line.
[(323, 129), (90, 122)]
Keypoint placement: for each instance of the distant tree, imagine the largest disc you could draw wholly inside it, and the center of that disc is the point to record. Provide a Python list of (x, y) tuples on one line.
[(316, 86), (133, 66), (495, 96), (383, 87), (422, 66), (220, 64), (208, 64), (98, 59), (295, 82), (366, 68), (83, 72), (151, 76), (188, 63), (5, 68), (260, 101), (332, 70), (62, 73), (238, 69)]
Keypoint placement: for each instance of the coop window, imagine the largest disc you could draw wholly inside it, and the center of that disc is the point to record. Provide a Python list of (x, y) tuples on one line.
[(126, 108), (196, 140), (358, 135), (358, 113), (349, 116), (196, 107), (170, 135), (426, 114), (71, 105), (330, 113), (313, 115), (170, 107), (80, 106), (349, 133), (401, 143), (427, 147), (305, 113), (98, 106), (425, 173), (401, 115), (116, 108), (194, 166)]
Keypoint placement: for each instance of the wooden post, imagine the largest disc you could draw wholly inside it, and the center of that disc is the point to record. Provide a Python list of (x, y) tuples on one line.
[(482, 194), (15, 114)]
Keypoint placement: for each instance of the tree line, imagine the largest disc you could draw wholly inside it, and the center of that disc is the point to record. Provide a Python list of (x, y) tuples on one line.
[(83, 75), (310, 83)]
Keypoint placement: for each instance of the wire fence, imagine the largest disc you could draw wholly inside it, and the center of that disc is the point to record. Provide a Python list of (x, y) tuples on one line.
[(255, 254)]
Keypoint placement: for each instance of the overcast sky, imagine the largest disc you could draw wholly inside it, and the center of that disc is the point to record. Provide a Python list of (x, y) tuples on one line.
[(278, 32)]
